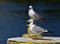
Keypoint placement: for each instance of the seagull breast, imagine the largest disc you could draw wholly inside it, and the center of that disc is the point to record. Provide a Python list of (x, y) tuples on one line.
[(31, 12), (32, 15)]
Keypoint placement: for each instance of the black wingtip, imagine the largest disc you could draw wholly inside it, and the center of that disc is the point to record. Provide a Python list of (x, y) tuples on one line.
[(43, 19), (49, 32)]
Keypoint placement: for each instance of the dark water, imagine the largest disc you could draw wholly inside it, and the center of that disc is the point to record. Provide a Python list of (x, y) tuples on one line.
[(13, 24)]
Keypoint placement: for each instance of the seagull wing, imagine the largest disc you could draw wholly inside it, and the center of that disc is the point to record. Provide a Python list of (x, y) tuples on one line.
[(38, 29), (37, 16)]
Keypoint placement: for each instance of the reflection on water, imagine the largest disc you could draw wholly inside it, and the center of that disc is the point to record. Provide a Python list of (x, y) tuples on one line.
[(12, 23)]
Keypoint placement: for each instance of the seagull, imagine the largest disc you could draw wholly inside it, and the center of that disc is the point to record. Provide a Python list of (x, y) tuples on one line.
[(34, 15), (36, 29)]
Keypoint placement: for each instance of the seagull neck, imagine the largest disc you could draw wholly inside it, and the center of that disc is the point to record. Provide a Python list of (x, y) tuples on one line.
[(31, 9), (31, 23)]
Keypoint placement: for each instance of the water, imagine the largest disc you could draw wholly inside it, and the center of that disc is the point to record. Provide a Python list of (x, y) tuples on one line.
[(13, 24)]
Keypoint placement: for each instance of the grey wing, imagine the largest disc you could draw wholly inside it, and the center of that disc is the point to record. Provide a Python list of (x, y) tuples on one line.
[(38, 29), (37, 16)]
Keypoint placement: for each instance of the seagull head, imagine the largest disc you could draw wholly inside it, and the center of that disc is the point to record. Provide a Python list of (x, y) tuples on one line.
[(30, 7), (30, 20)]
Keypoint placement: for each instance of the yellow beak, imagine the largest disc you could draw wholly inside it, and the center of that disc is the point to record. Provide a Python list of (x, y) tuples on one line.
[(27, 21)]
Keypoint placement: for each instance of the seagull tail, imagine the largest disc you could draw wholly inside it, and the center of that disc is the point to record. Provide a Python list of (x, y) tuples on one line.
[(49, 32)]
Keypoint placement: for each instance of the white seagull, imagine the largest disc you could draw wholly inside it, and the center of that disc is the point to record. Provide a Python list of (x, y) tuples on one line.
[(34, 15), (36, 29)]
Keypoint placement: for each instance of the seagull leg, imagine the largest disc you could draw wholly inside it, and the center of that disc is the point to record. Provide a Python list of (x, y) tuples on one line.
[(36, 36)]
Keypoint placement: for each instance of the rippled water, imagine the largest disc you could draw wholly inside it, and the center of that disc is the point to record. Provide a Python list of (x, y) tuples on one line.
[(13, 24)]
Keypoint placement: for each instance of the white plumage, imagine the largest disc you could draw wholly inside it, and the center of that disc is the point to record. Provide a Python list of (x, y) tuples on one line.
[(35, 29), (34, 15)]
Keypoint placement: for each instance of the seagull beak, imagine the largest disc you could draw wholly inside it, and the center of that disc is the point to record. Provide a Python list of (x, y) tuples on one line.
[(27, 21)]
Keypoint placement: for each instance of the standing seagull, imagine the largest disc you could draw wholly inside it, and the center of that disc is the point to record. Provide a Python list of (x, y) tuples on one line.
[(36, 29), (34, 15)]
